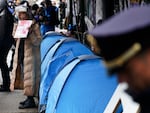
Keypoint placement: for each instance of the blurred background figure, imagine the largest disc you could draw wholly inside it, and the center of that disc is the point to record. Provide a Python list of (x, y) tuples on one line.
[(48, 17), (6, 41), (11, 5), (62, 8)]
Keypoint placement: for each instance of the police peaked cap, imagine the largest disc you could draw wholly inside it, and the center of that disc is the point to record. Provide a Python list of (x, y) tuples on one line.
[(123, 36)]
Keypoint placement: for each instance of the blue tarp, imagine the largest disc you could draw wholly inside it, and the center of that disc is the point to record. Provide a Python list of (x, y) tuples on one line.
[(54, 45), (87, 88), (60, 49)]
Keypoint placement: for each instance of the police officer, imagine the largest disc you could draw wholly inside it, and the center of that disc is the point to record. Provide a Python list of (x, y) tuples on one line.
[(124, 42)]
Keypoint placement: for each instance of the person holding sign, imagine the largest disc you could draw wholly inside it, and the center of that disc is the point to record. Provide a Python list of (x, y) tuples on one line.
[(27, 55)]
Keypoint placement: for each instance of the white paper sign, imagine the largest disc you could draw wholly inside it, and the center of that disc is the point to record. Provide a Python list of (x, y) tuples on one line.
[(23, 28)]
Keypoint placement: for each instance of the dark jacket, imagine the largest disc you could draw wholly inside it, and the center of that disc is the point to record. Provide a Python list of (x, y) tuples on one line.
[(143, 99), (6, 28)]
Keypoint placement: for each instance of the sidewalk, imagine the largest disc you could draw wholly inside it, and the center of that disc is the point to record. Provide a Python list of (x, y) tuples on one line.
[(9, 102)]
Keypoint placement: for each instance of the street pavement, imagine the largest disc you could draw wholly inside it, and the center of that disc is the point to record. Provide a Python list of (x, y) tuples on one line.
[(9, 101)]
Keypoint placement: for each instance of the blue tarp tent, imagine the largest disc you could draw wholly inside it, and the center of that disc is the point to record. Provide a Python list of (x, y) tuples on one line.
[(73, 79), (82, 87), (56, 47)]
